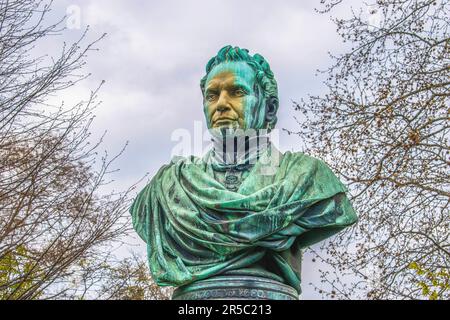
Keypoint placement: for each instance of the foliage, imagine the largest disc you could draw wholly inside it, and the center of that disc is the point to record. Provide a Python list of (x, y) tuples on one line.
[(433, 284)]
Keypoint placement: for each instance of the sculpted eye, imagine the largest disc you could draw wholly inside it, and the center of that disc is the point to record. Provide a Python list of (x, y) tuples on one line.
[(239, 92), (211, 96)]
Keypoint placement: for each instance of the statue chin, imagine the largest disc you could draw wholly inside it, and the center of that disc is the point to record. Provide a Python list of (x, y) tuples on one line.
[(226, 124), (226, 131), (225, 128)]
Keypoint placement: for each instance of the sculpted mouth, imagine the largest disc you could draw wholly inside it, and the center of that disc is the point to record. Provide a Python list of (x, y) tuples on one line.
[(224, 120)]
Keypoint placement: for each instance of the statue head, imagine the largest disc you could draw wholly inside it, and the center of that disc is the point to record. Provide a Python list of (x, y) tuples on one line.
[(239, 91)]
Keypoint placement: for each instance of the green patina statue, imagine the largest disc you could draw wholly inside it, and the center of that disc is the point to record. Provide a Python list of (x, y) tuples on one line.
[(224, 226)]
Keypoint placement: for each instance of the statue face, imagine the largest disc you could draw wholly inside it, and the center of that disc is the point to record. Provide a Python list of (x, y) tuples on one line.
[(229, 95)]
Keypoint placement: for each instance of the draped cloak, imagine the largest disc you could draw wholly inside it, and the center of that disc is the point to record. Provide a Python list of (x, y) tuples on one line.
[(196, 228)]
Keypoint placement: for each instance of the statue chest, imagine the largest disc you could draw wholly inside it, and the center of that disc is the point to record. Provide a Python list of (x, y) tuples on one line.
[(230, 178)]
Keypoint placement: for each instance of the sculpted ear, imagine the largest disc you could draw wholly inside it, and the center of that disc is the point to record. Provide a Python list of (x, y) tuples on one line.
[(271, 111)]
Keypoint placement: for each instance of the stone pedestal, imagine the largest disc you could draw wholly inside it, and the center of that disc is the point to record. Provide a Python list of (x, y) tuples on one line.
[(235, 288)]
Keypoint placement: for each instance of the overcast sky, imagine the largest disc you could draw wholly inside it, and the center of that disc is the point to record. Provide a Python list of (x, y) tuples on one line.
[(155, 54)]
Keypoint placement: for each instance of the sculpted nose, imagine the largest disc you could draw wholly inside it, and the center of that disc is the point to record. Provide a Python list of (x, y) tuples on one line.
[(222, 104), (223, 108)]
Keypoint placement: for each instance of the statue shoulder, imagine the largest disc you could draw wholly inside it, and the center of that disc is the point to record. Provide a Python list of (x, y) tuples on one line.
[(302, 162), (304, 159)]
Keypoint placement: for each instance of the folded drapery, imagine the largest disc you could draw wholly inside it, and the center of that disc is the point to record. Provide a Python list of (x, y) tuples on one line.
[(196, 228)]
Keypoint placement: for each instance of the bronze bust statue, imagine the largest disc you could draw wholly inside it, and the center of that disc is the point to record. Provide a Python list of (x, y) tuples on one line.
[(224, 226)]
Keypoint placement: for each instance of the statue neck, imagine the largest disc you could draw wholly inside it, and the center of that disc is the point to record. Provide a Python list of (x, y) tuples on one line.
[(240, 151)]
